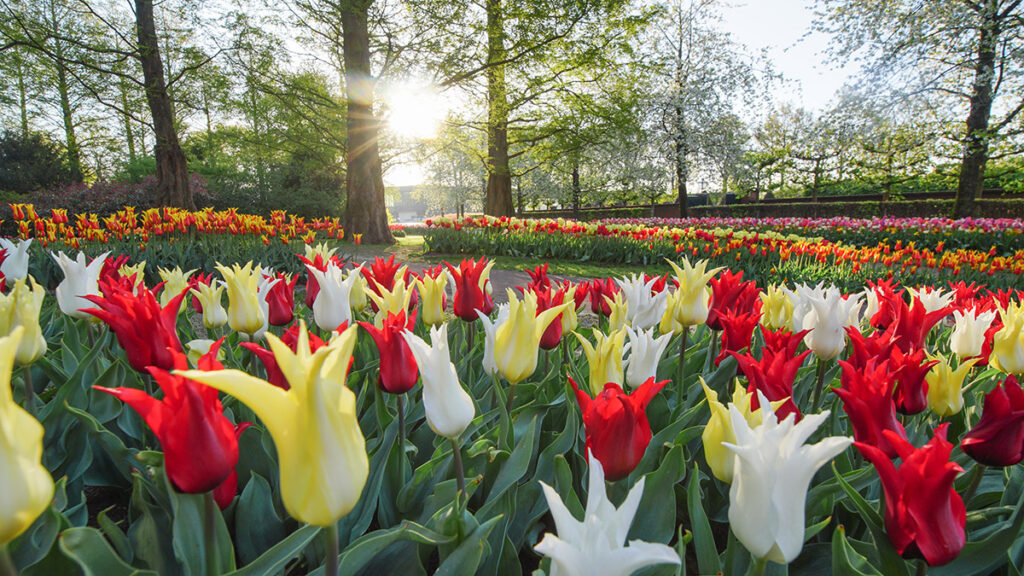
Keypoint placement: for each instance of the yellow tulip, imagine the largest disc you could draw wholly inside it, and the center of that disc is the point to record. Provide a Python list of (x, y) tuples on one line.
[(431, 292), (517, 340), (357, 295), (394, 301), (314, 424), (604, 359), (617, 316), (569, 318), (139, 270), (21, 308), (945, 386), (1008, 342), (777, 309), (719, 429), (27, 485), (693, 294), (175, 282), (669, 324), (209, 296), (320, 249), (244, 311)]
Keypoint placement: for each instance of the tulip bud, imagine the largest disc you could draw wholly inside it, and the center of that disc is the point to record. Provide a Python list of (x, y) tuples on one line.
[(21, 307), (27, 485), (449, 409), (209, 295), (245, 314), (693, 295)]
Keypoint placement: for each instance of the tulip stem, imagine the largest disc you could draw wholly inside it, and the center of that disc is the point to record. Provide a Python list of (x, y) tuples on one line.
[(7, 567), (210, 529), (460, 480), (470, 333), (30, 390), (975, 482), (679, 369), (331, 565), (401, 431), (511, 396), (758, 567), (818, 396), (922, 568)]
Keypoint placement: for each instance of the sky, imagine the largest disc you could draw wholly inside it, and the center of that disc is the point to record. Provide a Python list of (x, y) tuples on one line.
[(783, 27)]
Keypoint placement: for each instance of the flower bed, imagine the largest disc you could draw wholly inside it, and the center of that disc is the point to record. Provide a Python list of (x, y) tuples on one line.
[(380, 421)]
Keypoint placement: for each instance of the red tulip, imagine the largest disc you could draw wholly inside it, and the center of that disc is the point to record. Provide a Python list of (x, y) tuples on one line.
[(291, 339), (774, 373), (470, 296), (616, 425), (381, 274), (224, 494), (553, 334), (998, 437), (199, 443), (865, 349), (312, 286), (737, 329), (539, 278), (147, 333), (729, 293), (912, 322), (194, 281), (599, 289), (923, 513), (909, 368), (281, 299), (398, 370), (112, 266), (867, 400), (885, 290)]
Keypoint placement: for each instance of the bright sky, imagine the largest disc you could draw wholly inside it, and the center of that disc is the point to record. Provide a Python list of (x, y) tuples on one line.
[(783, 27)]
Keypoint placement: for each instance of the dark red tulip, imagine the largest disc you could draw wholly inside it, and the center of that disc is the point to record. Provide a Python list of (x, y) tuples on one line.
[(911, 390), (730, 293), (312, 286), (774, 373), (616, 425), (998, 437), (398, 370), (291, 339), (885, 290), (224, 494), (923, 513), (199, 443), (601, 292), (539, 278), (281, 299), (553, 334), (470, 296), (147, 333), (913, 322), (195, 281), (875, 347), (867, 399)]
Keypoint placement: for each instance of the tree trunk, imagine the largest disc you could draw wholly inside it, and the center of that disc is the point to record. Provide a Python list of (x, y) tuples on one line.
[(22, 93), (129, 132), (575, 191), (972, 167), (171, 168), (498, 198), (365, 210), (681, 177), (70, 139)]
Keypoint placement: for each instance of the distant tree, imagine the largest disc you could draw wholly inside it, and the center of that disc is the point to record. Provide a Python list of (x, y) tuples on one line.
[(32, 162)]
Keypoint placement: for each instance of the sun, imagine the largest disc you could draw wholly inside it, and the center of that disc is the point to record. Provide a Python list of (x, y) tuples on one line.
[(414, 110)]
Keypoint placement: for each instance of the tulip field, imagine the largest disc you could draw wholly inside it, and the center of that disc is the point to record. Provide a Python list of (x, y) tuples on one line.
[(214, 393)]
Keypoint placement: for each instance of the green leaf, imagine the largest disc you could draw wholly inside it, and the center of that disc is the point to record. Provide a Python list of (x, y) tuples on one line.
[(513, 469), (363, 550), (191, 542), (466, 558), (978, 558), (892, 563), (274, 560), (257, 525), (91, 552), (703, 538), (846, 560), (655, 520)]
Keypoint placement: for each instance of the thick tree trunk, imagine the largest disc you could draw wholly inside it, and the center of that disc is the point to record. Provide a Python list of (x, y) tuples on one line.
[(682, 174), (129, 132), (171, 168), (498, 197), (972, 167), (365, 210)]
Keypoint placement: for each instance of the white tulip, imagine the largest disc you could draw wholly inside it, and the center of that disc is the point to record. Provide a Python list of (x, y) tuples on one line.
[(15, 266), (490, 334), (595, 546), (968, 335), (642, 309), (332, 306), (644, 356), (827, 319), (773, 470), (448, 407), (932, 298), (80, 279)]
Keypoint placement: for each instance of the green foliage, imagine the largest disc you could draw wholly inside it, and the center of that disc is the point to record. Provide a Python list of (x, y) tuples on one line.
[(30, 163)]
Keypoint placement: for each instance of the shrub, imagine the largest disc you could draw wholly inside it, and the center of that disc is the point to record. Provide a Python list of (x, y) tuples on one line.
[(32, 162)]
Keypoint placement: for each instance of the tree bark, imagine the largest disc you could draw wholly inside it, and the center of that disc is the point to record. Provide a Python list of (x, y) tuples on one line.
[(498, 197), (171, 167), (365, 210), (576, 191), (63, 93), (682, 174), (129, 133), (972, 167)]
